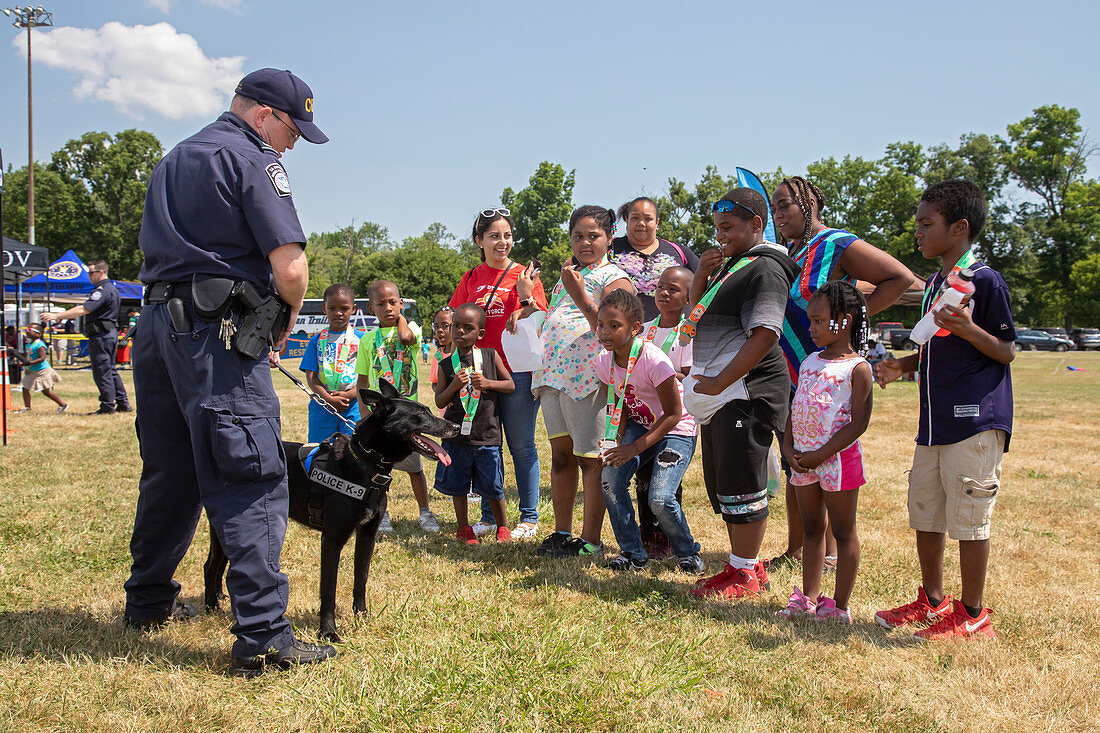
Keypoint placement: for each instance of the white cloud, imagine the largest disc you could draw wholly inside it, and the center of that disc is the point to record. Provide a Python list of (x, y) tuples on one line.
[(234, 5), (162, 5), (139, 69)]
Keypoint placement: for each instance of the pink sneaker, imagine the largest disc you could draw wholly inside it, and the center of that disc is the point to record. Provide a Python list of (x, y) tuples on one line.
[(799, 605), (827, 611)]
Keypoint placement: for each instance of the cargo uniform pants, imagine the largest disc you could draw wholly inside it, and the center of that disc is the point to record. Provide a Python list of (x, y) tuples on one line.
[(208, 430), (103, 350)]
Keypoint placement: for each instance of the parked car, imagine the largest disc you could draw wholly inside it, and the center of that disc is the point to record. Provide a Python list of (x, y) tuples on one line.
[(882, 330), (1054, 331), (900, 341), (1086, 338), (1036, 340)]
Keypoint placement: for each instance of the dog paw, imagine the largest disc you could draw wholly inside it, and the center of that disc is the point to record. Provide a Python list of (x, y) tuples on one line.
[(329, 636)]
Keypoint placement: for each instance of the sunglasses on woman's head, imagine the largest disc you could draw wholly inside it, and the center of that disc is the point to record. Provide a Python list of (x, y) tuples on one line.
[(490, 213), (725, 207)]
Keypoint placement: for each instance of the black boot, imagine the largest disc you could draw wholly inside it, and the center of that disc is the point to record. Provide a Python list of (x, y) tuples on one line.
[(299, 652)]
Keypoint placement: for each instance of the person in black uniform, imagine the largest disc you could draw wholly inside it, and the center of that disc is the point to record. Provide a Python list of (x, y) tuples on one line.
[(219, 204), (100, 313)]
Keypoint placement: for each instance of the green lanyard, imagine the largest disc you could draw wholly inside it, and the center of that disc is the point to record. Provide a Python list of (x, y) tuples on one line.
[(469, 395), (928, 303), (615, 407), (558, 293), (691, 323), (388, 369), (651, 333)]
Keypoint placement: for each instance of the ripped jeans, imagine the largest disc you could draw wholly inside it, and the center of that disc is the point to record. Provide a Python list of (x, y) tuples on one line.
[(671, 456)]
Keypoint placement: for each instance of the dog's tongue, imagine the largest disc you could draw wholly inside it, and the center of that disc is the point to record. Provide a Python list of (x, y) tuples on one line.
[(430, 448)]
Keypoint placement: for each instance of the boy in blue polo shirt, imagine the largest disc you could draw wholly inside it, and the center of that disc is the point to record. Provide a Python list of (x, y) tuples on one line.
[(965, 418)]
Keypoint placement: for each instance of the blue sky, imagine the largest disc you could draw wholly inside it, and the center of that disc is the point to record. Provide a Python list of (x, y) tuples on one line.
[(433, 108)]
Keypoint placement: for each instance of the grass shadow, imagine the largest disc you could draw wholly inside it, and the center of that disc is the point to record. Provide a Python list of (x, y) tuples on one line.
[(59, 634)]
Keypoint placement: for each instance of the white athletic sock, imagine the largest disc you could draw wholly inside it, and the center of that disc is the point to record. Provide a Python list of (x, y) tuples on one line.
[(742, 563)]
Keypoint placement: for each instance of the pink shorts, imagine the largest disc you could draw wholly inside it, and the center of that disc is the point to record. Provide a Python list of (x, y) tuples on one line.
[(842, 471)]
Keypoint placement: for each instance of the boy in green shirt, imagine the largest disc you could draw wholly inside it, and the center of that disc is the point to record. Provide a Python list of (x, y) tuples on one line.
[(389, 352)]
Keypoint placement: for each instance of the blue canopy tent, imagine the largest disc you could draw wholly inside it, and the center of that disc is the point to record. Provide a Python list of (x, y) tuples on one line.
[(68, 276)]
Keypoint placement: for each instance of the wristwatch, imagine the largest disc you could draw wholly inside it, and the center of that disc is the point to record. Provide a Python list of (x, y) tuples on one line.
[(526, 302)]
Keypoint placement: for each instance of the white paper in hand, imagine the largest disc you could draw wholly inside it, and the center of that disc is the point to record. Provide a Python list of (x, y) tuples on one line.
[(523, 348)]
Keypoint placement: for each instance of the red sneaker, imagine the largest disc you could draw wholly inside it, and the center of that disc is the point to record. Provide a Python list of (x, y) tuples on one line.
[(919, 611), (721, 577), (736, 584), (504, 534), (466, 534), (959, 624), (761, 573)]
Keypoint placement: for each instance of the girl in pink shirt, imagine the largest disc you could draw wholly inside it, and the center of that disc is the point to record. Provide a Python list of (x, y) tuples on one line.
[(831, 409)]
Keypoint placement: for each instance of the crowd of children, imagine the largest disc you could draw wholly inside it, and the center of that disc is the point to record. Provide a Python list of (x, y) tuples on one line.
[(625, 399)]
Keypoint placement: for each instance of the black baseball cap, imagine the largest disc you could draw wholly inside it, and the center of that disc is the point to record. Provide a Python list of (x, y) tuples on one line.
[(281, 90)]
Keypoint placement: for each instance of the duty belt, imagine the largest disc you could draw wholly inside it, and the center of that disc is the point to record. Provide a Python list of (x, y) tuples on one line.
[(162, 292)]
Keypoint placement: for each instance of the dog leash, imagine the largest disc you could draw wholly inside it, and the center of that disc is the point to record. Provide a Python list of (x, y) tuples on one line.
[(316, 397)]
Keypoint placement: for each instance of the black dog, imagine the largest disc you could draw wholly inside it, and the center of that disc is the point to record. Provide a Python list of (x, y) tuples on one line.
[(394, 429)]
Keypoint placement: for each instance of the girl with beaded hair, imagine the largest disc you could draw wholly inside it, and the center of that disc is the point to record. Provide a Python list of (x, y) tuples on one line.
[(822, 254)]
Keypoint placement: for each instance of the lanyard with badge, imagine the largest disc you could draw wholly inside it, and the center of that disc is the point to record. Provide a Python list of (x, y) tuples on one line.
[(614, 415), (468, 395), (387, 369), (691, 323), (929, 302), (651, 333), (334, 370)]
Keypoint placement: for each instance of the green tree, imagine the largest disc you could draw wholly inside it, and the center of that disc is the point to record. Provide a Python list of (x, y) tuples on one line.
[(541, 211), (341, 256), (115, 173), (1047, 155), (64, 217), (1085, 276), (685, 213), (426, 268)]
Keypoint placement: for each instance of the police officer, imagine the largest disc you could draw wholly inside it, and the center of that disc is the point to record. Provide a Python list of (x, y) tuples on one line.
[(100, 313), (219, 204)]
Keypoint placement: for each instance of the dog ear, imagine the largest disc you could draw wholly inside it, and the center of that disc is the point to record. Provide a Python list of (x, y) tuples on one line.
[(339, 445), (374, 401), (388, 389)]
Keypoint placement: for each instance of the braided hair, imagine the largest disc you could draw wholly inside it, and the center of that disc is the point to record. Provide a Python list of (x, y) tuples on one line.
[(604, 218), (626, 302), (804, 191), (845, 300)]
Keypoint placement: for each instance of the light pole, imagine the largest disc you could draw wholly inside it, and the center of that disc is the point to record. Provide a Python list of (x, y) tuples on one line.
[(30, 17)]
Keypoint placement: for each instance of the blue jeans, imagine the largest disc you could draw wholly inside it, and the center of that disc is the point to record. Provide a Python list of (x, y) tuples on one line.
[(671, 456), (518, 411)]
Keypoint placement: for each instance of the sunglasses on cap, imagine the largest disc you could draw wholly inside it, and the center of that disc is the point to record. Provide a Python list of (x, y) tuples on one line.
[(725, 207), (490, 213)]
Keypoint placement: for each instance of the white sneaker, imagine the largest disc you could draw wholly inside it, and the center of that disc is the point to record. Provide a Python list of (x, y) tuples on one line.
[(525, 530), (428, 521), (482, 528), (386, 525)]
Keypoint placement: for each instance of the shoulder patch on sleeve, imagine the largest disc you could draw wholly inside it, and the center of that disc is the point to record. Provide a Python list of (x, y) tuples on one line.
[(96, 295), (278, 179)]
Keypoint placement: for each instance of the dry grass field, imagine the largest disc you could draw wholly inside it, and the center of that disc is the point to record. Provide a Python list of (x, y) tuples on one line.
[(490, 638)]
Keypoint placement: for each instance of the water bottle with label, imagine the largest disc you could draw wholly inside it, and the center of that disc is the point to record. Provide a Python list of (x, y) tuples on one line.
[(957, 291)]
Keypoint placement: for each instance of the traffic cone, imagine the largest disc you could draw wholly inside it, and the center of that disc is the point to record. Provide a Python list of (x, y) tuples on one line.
[(5, 392), (5, 383)]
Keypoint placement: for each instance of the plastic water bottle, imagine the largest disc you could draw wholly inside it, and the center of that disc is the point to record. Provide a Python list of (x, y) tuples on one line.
[(960, 286)]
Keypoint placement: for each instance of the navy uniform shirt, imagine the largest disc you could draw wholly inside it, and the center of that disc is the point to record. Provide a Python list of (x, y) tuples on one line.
[(217, 204), (103, 305), (962, 391)]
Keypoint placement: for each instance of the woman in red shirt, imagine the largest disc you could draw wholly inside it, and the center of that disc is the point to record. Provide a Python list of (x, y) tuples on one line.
[(503, 288)]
